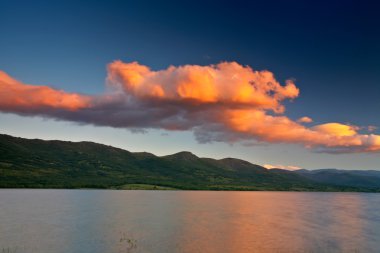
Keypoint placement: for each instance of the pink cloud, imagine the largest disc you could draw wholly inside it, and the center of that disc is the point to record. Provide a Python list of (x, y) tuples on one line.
[(225, 102), (283, 167), (304, 120), (18, 96)]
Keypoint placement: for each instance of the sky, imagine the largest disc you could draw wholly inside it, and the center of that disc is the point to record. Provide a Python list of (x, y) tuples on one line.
[(292, 84)]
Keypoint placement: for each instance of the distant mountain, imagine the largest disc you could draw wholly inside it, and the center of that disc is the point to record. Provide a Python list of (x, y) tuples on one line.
[(356, 178), (33, 163)]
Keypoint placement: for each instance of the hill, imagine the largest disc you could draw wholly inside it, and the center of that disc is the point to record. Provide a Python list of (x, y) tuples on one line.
[(34, 163), (355, 178)]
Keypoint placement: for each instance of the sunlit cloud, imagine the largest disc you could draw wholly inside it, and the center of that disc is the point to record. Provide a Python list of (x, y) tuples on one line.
[(337, 129), (226, 102), (305, 120), (283, 167), (19, 97), (228, 83)]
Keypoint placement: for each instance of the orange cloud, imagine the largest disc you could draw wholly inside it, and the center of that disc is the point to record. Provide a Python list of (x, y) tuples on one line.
[(225, 102), (16, 96), (330, 137), (336, 129), (226, 83), (283, 167)]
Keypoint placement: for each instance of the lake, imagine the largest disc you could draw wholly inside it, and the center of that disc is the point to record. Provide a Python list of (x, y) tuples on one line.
[(100, 221)]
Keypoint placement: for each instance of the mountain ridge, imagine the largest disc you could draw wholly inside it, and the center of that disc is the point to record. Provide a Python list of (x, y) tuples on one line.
[(36, 163)]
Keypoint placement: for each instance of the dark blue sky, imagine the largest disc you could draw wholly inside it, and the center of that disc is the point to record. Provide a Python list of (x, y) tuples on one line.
[(331, 48)]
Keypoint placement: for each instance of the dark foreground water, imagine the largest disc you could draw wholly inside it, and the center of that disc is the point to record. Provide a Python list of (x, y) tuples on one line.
[(70, 221)]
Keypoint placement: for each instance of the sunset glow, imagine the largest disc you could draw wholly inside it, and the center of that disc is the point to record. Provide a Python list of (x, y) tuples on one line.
[(227, 100)]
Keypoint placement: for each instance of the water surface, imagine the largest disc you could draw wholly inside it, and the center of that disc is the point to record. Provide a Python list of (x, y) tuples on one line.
[(100, 221)]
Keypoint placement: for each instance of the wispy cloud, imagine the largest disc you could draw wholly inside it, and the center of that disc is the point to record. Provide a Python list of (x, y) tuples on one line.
[(19, 97), (305, 120), (226, 102), (283, 167)]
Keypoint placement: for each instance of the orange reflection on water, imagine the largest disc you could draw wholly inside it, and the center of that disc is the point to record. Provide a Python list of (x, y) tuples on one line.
[(270, 222)]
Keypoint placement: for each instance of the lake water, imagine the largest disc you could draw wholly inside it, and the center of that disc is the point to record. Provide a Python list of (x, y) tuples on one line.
[(101, 221)]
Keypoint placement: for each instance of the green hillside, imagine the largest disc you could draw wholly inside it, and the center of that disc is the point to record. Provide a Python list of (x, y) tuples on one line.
[(26, 163)]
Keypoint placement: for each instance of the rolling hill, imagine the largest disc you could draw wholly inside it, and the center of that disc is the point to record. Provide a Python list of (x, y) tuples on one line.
[(355, 178), (34, 163)]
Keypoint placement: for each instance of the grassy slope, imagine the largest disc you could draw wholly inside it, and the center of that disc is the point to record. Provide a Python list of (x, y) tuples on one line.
[(28, 163)]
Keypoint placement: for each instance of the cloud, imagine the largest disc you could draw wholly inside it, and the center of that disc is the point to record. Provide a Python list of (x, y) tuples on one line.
[(18, 97), (227, 83), (226, 102), (304, 120), (371, 128), (283, 167), (337, 129)]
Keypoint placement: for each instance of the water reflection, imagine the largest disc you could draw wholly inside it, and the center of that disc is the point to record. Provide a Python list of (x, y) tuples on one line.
[(188, 221), (346, 225), (239, 222), (268, 222)]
